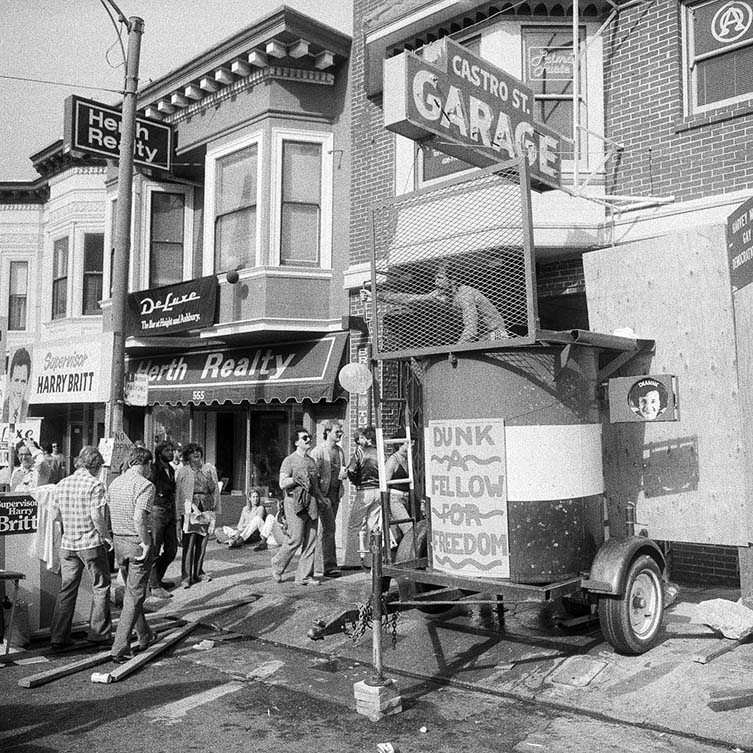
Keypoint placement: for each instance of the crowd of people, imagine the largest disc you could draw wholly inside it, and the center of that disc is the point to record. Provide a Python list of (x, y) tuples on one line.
[(172, 497)]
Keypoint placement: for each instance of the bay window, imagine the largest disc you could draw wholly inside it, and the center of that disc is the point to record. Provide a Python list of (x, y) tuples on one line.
[(19, 291), (60, 278)]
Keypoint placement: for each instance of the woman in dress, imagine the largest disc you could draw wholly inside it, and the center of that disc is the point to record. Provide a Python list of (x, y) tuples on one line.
[(197, 495)]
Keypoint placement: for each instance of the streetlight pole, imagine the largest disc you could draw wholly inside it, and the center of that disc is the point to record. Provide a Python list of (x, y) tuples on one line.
[(122, 254)]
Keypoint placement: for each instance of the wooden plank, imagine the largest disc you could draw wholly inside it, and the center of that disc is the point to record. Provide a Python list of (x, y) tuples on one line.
[(34, 681), (93, 661), (724, 648), (146, 656), (158, 626)]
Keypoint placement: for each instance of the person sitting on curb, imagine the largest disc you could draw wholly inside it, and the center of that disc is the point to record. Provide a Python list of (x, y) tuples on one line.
[(250, 522)]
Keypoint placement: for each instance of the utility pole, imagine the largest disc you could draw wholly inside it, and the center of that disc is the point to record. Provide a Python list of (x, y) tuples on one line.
[(122, 254)]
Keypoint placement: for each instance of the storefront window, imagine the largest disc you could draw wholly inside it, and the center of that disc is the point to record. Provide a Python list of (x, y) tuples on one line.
[(269, 445), (172, 422)]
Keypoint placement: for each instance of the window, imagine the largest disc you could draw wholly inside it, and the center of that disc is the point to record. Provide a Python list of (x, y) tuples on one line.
[(548, 66), (167, 238), (300, 212), (59, 278), (94, 251), (19, 287), (236, 189), (720, 53)]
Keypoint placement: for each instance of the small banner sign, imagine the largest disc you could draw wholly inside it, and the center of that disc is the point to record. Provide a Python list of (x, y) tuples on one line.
[(645, 399), (740, 245), (172, 308), (18, 514)]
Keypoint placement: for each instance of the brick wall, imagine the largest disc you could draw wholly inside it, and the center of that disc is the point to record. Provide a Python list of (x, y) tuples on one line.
[(563, 277), (704, 564), (665, 152)]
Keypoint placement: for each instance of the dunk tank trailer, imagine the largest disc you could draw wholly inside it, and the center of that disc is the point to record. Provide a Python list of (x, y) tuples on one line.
[(511, 415), (510, 418)]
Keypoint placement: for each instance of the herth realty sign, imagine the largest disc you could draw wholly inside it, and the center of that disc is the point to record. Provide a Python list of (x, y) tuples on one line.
[(95, 128)]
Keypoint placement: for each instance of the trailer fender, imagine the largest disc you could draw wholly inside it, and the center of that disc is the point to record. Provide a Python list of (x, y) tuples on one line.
[(610, 566)]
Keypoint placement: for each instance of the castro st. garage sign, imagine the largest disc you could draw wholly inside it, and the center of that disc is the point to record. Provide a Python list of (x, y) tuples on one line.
[(480, 113)]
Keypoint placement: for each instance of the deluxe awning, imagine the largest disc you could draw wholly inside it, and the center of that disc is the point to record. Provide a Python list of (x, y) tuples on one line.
[(302, 370)]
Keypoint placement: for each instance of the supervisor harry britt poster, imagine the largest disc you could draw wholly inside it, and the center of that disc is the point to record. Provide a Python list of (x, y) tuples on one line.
[(467, 483)]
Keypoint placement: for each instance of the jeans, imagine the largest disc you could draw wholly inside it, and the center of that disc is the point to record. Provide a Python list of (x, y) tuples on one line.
[(165, 538), (127, 549), (301, 534), (325, 558), (72, 564)]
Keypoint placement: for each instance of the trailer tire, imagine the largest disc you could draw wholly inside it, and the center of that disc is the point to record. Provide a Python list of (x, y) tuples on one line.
[(407, 588), (632, 622)]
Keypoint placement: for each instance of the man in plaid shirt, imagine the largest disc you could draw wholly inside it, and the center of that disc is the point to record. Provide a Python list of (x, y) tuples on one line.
[(130, 498), (80, 506)]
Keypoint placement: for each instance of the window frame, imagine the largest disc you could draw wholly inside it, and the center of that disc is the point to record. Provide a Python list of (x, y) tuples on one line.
[(12, 296), (85, 272), (583, 69), (689, 64), (188, 236), (64, 279), (325, 140), (213, 156)]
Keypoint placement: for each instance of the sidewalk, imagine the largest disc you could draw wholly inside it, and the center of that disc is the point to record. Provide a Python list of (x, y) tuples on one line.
[(533, 660)]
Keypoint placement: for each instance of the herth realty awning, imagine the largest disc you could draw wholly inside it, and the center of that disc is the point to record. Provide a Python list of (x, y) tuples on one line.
[(302, 370)]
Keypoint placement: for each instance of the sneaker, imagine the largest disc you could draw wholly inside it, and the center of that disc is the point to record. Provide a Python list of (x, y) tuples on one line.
[(160, 593), (308, 582), (334, 573), (260, 547)]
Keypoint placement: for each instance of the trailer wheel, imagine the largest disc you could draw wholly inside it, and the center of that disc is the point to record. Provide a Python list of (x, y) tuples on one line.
[(632, 622), (407, 588)]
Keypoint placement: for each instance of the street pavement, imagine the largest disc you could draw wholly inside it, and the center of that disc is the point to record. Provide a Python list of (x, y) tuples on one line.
[(551, 689)]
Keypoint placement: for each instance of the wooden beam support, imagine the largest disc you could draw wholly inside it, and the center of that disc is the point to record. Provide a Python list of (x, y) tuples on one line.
[(239, 68), (224, 76), (276, 49), (208, 84), (257, 58), (324, 60), (298, 49), (193, 92)]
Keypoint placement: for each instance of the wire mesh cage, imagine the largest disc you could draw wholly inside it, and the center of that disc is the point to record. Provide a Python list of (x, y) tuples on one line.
[(452, 266)]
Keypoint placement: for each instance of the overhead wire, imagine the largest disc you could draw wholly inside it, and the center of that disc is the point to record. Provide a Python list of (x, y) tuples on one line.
[(68, 84)]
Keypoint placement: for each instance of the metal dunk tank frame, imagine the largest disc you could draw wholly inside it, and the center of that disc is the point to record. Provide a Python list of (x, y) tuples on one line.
[(512, 427)]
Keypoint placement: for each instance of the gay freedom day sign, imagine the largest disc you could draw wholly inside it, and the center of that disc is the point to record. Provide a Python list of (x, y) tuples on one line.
[(468, 488)]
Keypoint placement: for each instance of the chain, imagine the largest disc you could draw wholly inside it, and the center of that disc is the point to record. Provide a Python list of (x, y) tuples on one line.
[(394, 629), (363, 621)]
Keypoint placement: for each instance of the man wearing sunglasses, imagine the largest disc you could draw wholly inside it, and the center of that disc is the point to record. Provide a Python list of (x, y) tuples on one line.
[(299, 481)]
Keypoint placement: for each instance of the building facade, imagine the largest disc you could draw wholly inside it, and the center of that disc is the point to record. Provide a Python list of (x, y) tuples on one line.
[(259, 188), (651, 98)]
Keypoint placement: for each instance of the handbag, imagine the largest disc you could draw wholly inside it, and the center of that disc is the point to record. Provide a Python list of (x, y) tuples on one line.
[(199, 519)]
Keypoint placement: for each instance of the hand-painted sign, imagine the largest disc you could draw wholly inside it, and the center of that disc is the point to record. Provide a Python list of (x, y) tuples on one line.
[(481, 114), (740, 245), (76, 372), (18, 514), (95, 128), (466, 462), (172, 308)]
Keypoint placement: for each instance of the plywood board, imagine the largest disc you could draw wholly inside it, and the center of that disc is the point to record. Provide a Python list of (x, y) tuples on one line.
[(687, 479)]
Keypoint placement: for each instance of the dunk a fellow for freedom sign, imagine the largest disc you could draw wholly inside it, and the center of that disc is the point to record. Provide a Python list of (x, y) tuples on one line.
[(467, 484)]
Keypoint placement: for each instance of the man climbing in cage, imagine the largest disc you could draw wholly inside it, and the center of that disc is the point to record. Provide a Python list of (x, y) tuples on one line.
[(481, 320)]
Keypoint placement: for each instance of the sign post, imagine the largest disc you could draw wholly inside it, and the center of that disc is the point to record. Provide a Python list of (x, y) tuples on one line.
[(123, 226)]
